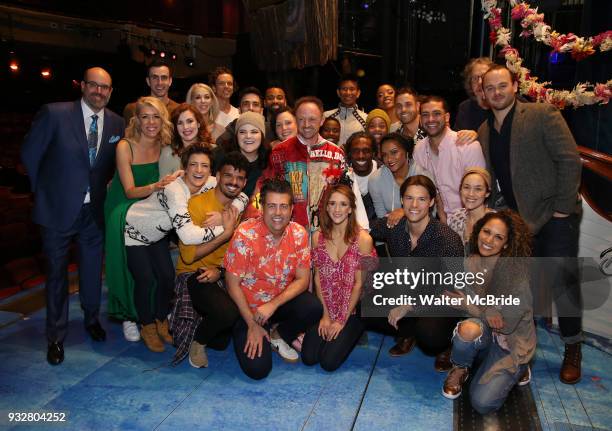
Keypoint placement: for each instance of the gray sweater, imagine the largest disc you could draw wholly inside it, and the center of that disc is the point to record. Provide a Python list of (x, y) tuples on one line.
[(384, 191)]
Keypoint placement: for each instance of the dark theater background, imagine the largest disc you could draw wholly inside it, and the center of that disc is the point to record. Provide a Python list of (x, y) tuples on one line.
[(303, 46), (46, 45)]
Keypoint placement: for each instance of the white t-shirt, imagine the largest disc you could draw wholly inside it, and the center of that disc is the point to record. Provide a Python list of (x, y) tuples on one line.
[(362, 182), (224, 119)]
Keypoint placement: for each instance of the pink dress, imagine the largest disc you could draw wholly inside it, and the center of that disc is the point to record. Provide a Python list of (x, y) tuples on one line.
[(338, 278)]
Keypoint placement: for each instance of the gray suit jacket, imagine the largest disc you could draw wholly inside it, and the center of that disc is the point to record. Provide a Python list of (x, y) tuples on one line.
[(544, 163)]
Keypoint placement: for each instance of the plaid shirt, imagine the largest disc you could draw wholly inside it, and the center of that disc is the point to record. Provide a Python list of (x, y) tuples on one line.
[(184, 320)]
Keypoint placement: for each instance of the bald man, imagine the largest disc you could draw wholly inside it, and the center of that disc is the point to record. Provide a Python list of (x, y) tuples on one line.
[(69, 155)]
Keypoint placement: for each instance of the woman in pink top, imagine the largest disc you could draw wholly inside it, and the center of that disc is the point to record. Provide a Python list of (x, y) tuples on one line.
[(340, 250)]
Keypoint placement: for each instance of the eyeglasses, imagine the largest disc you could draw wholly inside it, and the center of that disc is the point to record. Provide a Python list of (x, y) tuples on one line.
[(93, 85), (475, 79)]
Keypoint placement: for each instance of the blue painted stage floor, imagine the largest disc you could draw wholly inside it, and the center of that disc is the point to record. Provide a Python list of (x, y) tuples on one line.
[(121, 385)]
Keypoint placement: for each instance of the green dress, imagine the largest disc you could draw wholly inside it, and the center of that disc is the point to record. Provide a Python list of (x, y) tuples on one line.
[(118, 277)]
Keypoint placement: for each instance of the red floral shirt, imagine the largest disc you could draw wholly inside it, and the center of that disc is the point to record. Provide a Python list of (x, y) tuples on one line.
[(265, 266)]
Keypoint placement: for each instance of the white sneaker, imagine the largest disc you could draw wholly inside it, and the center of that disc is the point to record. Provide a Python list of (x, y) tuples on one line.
[(130, 331), (283, 349)]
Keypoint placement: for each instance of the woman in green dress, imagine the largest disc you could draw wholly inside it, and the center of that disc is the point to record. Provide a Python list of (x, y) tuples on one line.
[(137, 176)]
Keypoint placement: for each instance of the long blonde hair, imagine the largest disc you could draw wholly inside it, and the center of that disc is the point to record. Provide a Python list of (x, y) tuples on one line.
[(133, 132), (214, 106)]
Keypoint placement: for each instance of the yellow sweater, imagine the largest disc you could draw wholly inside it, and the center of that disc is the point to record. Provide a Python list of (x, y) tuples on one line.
[(198, 207)]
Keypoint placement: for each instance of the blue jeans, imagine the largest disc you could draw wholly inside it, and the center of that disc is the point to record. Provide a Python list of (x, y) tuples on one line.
[(485, 397)]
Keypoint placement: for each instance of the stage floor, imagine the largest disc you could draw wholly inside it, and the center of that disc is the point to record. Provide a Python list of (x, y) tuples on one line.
[(122, 385)]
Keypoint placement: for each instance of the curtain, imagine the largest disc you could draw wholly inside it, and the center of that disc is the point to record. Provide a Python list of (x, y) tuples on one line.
[(294, 34)]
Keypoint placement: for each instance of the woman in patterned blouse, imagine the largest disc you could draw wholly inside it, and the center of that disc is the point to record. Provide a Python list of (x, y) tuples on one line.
[(339, 251)]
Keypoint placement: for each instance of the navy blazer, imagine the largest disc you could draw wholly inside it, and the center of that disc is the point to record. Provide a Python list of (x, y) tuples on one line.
[(56, 156)]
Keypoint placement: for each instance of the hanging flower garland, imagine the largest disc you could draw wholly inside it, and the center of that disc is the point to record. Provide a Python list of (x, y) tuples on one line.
[(534, 25)]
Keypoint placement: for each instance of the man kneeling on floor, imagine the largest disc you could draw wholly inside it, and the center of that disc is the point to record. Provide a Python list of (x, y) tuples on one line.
[(267, 273), (204, 314)]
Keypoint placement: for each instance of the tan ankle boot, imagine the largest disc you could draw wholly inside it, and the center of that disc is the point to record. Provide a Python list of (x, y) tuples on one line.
[(162, 331), (148, 333)]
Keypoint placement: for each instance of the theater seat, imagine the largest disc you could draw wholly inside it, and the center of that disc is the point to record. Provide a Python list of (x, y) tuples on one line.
[(22, 270)]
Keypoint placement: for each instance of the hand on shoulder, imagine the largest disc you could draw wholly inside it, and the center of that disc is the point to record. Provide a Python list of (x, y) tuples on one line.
[(365, 242)]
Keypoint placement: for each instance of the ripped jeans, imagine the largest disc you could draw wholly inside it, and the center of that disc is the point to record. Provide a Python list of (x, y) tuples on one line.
[(485, 397)]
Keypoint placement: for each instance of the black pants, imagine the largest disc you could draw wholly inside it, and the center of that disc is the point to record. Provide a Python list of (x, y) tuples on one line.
[(293, 317), (433, 334), (219, 313), (331, 354), (56, 245), (558, 238), (153, 272)]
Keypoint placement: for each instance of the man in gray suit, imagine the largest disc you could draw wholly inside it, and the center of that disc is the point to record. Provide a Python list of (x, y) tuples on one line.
[(535, 165)]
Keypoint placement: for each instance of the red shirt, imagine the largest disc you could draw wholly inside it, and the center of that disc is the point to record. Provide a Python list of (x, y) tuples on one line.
[(307, 172)]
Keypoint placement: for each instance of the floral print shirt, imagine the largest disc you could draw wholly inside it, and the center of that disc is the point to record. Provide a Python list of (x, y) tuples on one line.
[(337, 279), (265, 266)]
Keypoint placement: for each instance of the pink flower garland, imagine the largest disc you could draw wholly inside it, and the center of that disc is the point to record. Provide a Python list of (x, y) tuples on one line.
[(533, 25)]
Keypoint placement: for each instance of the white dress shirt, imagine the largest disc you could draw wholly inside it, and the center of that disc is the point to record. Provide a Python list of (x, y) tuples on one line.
[(87, 114)]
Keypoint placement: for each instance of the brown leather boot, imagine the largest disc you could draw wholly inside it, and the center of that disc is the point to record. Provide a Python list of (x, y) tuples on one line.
[(443, 362), (525, 377), (403, 346), (571, 368), (453, 385), (162, 331), (148, 333)]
